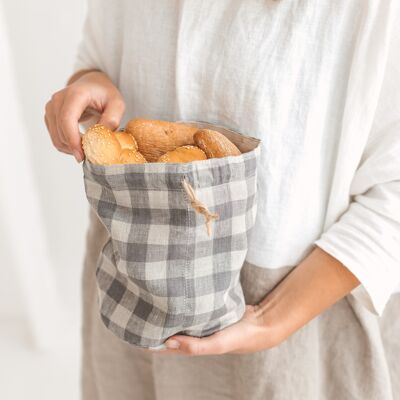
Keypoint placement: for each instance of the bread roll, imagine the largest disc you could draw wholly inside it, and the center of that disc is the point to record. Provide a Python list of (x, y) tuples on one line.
[(155, 137), (126, 140), (183, 154), (102, 146), (215, 144), (129, 156)]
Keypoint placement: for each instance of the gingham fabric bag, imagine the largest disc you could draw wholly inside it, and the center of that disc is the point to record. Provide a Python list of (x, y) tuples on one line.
[(178, 237)]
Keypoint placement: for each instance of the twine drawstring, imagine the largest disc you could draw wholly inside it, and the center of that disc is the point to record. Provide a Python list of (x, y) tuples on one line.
[(198, 206)]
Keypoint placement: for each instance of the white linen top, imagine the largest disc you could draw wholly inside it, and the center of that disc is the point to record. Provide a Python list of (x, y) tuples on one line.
[(316, 81)]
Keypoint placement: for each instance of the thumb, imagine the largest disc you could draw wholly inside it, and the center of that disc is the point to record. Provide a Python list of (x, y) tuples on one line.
[(112, 114), (190, 345)]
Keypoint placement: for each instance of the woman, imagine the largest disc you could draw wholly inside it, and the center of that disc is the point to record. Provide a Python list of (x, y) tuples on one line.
[(318, 83)]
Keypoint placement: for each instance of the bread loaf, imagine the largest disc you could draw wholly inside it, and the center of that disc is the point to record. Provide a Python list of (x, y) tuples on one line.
[(102, 146), (215, 144), (156, 137), (183, 154)]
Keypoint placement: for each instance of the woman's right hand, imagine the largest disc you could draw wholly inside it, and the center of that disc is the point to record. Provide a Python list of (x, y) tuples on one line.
[(87, 94)]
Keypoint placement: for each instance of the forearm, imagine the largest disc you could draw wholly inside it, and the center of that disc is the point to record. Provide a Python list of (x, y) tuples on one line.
[(79, 74), (315, 284)]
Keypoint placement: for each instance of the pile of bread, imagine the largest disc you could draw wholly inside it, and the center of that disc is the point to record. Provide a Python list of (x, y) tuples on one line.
[(145, 140)]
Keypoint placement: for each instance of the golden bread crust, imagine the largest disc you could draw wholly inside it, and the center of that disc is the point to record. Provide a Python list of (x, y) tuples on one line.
[(215, 144), (183, 154), (156, 137)]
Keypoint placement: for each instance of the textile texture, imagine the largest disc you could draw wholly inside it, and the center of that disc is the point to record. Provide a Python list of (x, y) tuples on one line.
[(345, 353), (160, 272), (317, 82)]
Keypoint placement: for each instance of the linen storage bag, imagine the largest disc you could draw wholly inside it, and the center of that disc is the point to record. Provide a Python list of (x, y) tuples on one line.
[(178, 237)]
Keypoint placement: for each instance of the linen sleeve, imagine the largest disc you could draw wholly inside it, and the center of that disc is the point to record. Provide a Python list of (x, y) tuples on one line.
[(88, 54), (366, 238)]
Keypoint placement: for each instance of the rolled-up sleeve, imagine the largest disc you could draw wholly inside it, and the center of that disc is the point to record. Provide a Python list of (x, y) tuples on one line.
[(366, 238), (88, 54)]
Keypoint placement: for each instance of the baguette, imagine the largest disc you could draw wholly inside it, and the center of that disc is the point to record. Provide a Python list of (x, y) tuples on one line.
[(156, 137)]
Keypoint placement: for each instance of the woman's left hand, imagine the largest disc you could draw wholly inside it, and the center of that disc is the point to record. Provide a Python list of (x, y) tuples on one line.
[(309, 289), (248, 335)]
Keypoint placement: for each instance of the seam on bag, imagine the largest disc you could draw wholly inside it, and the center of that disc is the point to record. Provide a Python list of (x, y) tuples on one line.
[(92, 174), (141, 188), (187, 262)]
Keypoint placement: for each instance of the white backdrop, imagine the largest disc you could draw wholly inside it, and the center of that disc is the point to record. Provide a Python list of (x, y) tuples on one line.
[(42, 204)]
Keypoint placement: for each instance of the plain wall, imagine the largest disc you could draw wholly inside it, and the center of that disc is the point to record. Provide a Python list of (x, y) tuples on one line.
[(43, 38)]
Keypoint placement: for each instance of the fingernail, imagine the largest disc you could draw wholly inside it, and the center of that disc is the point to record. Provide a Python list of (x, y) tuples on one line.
[(77, 156), (172, 344)]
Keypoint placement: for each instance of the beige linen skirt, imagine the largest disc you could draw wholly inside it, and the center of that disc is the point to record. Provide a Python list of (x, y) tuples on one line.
[(345, 353)]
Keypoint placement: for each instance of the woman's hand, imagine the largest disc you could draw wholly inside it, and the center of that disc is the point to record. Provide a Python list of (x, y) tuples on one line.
[(88, 93), (316, 283), (252, 333)]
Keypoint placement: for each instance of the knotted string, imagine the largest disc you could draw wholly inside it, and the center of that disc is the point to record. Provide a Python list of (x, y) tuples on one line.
[(198, 206)]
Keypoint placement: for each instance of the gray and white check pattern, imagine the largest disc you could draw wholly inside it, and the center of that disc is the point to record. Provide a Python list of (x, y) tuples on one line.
[(159, 273)]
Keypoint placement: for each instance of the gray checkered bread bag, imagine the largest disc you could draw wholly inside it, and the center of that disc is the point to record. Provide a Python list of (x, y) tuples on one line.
[(178, 237)]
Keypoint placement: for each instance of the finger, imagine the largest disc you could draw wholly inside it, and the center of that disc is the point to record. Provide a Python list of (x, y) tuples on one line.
[(57, 117), (56, 142), (53, 131), (51, 109), (89, 113), (237, 337), (73, 107), (193, 346), (113, 112)]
